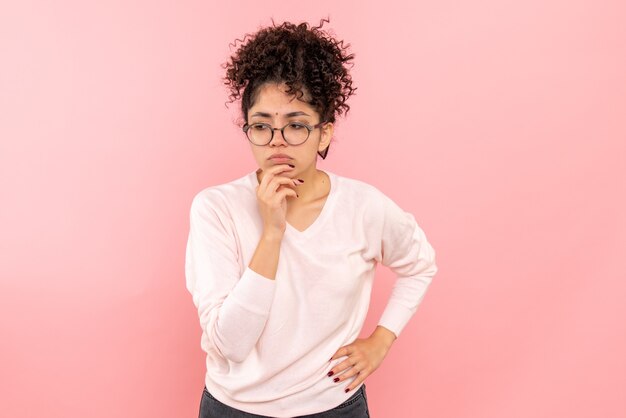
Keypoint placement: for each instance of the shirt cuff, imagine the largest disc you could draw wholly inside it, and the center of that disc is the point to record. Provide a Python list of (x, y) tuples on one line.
[(395, 318), (254, 292)]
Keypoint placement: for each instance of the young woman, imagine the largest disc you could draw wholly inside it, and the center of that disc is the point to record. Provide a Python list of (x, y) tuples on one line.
[(280, 262)]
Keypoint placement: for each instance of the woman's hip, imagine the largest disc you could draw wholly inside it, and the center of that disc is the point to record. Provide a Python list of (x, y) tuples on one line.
[(354, 407)]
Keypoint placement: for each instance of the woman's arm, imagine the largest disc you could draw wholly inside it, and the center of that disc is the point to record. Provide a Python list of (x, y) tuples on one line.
[(407, 252), (265, 258), (233, 307)]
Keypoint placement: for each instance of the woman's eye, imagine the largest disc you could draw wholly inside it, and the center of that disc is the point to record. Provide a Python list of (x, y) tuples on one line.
[(259, 127), (296, 126)]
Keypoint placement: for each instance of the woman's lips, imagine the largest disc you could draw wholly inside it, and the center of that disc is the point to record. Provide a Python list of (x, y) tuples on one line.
[(280, 159)]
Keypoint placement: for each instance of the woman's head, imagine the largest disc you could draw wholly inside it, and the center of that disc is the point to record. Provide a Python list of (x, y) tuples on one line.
[(308, 63)]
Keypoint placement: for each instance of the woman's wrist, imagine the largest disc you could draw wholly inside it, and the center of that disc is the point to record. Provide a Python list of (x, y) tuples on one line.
[(384, 335), (272, 235)]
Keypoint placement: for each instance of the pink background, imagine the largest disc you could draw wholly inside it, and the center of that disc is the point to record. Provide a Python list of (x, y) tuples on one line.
[(500, 125)]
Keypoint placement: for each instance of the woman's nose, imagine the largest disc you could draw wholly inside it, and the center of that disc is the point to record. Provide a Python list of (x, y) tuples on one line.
[(278, 138)]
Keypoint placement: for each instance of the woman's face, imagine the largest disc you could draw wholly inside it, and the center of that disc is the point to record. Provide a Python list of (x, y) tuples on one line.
[(277, 108)]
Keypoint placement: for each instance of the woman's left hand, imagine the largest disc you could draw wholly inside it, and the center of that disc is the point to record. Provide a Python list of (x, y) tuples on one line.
[(364, 356)]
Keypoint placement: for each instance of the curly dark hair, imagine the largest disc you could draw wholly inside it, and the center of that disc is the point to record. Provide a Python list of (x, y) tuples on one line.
[(304, 57)]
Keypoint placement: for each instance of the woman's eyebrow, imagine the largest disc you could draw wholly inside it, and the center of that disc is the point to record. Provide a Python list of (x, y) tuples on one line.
[(289, 115)]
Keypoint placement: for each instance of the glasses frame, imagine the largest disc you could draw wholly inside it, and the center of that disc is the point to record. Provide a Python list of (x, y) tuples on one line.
[(309, 128)]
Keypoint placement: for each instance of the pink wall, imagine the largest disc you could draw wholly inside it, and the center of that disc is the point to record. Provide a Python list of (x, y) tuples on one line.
[(500, 125)]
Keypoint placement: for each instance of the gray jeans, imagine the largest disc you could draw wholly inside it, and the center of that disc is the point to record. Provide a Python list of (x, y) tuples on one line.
[(353, 407)]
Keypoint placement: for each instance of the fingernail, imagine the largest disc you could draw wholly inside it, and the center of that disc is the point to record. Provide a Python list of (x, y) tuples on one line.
[(297, 195), (301, 180), (330, 373), (347, 389), (291, 165), (336, 379)]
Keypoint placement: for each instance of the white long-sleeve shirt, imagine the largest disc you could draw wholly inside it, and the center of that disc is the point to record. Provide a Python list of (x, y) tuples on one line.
[(268, 342)]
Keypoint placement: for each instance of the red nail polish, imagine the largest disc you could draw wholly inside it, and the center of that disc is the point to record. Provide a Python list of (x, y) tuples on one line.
[(336, 379), (347, 389), (330, 373)]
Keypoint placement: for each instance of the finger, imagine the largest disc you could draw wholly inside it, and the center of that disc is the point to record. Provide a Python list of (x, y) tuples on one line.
[(356, 382), (351, 365), (343, 351), (272, 172), (281, 183), (340, 368), (278, 181), (354, 372), (287, 181), (284, 192), (280, 168)]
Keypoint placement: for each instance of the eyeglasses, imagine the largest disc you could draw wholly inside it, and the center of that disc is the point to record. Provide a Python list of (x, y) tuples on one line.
[(294, 133)]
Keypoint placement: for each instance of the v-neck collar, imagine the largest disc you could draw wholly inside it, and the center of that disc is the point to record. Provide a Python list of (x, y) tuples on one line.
[(321, 217)]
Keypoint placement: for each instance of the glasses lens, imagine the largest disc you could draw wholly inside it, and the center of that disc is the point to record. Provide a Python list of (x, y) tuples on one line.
[(259, 133), (296, 133)]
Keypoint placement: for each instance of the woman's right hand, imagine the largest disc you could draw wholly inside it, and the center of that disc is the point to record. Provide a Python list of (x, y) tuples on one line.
[(272, 193)]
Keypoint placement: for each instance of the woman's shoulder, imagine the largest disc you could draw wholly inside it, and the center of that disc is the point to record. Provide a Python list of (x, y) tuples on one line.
[(360, 196), (359, 188), (226, 194)]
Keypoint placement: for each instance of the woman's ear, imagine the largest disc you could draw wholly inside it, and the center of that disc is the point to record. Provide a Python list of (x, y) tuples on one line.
[(325, 137)]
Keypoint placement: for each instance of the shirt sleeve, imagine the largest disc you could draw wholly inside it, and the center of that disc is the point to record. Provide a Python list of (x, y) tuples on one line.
[(233, 306), (406, 251)]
